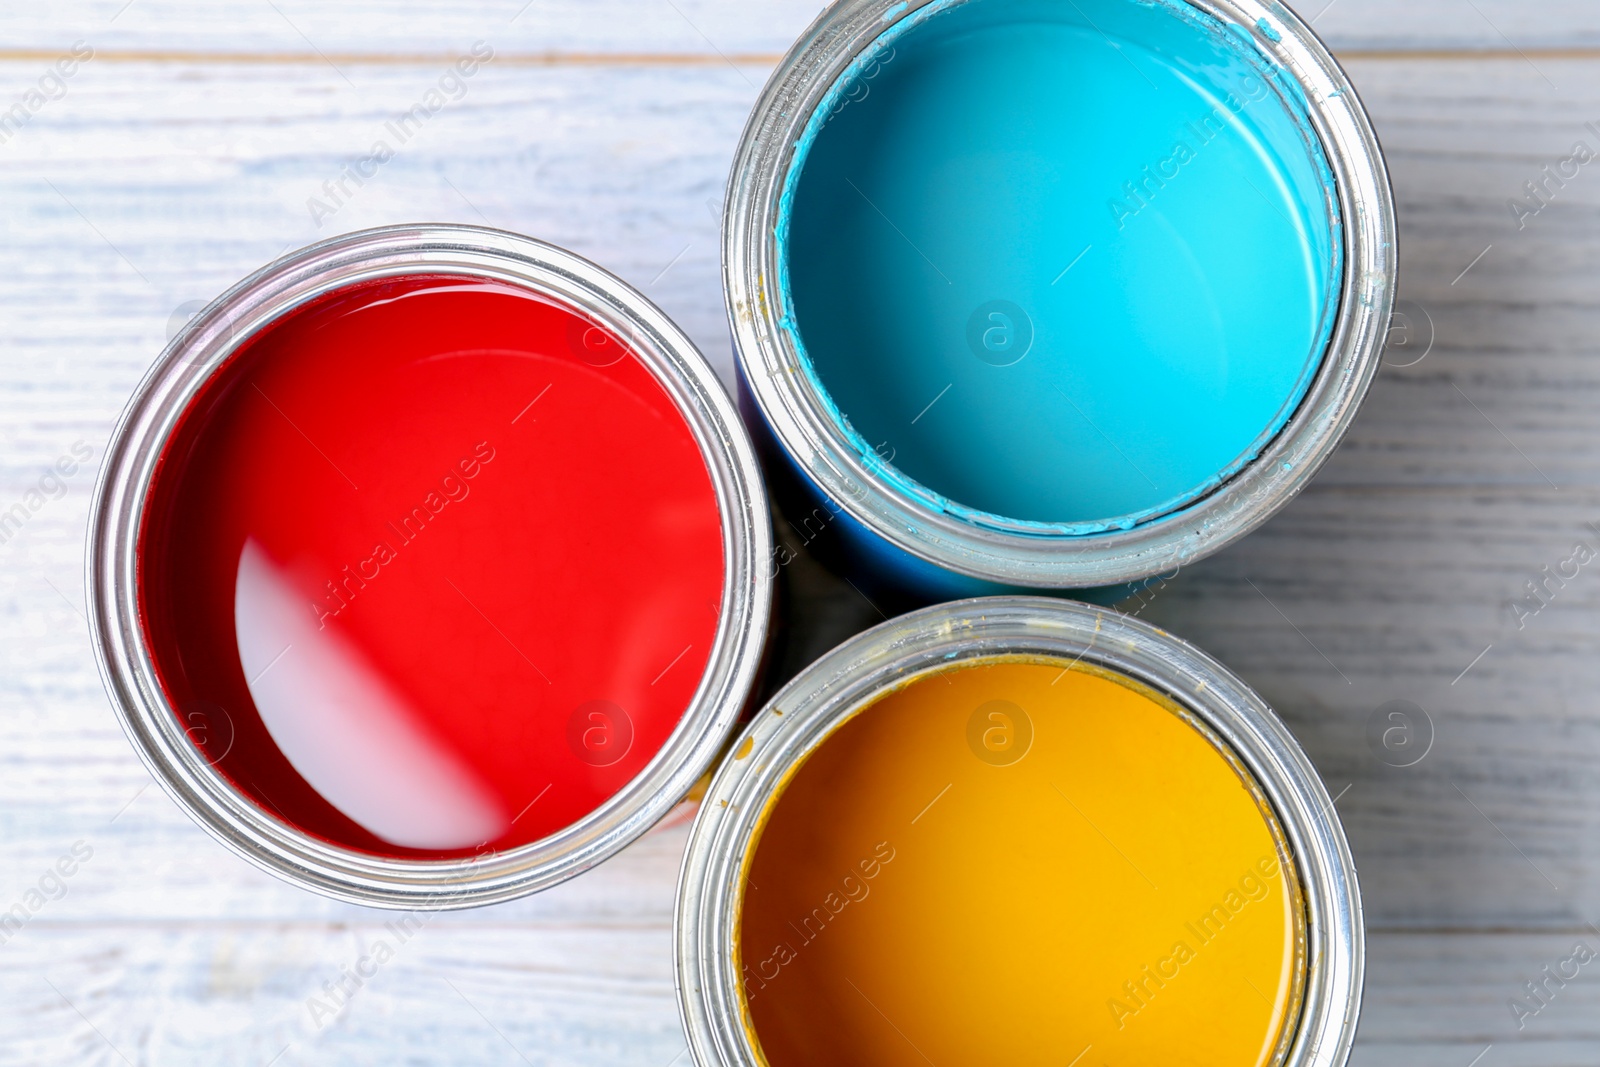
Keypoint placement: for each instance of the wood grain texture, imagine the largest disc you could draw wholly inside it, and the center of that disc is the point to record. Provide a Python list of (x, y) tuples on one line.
[(1440, 1000), (243, 994), (151, 185), (239, 994), (379, 28), (1506, 394)]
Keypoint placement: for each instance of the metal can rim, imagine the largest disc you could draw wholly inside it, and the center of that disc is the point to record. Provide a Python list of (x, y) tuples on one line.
[(798, 418), (807, 710), (190, 359)]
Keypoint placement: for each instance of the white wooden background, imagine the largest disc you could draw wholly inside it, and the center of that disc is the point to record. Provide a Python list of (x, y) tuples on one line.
[(182, 156)]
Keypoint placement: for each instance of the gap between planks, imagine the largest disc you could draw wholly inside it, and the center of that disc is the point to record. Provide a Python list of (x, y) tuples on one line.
[(657, 59)]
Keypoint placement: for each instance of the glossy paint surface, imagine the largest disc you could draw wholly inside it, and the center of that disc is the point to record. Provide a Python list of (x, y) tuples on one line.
[(1012, 862), (1062, 267), (432, 565)]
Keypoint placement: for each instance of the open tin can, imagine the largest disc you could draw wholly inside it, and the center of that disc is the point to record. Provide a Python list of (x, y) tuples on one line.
[(429, 567), (1004, 828), (1036, 340)]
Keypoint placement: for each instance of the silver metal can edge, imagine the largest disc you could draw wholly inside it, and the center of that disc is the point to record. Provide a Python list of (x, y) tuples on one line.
[(807, 710), (125, 664)]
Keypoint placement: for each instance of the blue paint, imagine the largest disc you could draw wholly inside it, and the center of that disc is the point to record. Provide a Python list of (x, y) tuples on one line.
[(1059, 268)]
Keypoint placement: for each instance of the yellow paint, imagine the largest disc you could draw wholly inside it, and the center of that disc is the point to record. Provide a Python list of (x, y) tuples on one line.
[(697, 792), (1118, 896)]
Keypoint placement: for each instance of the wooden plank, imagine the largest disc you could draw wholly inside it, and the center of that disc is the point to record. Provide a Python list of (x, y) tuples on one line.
[(1504, 394), (381, 28), (1442, 999), (445, 990), (430, 991), (1504, 26), (705, 28)]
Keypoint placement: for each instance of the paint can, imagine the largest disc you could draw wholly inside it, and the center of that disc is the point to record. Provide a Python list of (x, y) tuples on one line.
[(479, 700), (961, 859), (990, 353)]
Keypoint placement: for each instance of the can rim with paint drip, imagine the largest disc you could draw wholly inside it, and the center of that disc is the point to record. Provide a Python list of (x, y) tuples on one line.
[(945, 549)]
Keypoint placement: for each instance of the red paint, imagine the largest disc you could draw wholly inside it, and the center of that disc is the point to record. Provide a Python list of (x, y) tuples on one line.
[(562, 566)]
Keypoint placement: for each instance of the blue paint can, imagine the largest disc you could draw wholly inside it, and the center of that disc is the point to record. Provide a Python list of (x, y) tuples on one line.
[(1053, 295)]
